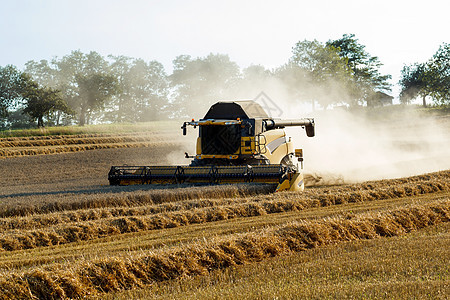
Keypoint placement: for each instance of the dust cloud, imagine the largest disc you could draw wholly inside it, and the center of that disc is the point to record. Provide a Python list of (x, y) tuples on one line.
[(351, 145), (187, 144), (359, 144), (388, 142)]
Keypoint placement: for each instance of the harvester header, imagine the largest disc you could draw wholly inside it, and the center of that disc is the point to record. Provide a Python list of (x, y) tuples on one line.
[(237, 142)]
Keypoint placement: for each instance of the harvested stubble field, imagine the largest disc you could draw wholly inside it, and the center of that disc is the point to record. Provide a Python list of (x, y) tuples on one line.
[(66, 234), (13, 147)]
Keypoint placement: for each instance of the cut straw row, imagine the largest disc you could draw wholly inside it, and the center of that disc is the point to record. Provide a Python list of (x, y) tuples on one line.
[(114, 273), (146, 218)]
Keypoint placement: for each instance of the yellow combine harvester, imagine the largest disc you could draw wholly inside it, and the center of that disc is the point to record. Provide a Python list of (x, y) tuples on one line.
[(238, 142)]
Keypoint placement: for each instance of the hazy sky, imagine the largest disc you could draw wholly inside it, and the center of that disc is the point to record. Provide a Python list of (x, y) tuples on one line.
[(251, 32)]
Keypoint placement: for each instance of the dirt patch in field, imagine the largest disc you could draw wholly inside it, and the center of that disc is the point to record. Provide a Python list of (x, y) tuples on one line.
[(77, 172)]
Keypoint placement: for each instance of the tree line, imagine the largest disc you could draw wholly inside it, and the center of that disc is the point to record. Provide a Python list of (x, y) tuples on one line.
[(428, 79), (84, 88)]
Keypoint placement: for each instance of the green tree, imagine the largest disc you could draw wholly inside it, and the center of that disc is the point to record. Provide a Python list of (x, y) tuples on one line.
[(415, 82), (200, 82), (93, 91), (297, 82), (17, 119), (429, 79), (318, 72), (365, 69), (45, 73), (42, 101), (144, 89), (253, 80), (12, 83), (85, 82), (439, 69)]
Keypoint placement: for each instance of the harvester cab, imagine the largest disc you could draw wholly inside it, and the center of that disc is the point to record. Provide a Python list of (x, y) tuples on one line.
[(237, 142)]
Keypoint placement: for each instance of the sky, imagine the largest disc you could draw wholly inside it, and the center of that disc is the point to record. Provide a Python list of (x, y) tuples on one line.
[(251, 32)]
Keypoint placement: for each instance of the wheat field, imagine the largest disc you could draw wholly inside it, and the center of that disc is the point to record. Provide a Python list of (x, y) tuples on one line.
[(65, 233)]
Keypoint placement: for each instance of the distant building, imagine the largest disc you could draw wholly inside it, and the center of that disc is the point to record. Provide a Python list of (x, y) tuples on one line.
[(379, 99)]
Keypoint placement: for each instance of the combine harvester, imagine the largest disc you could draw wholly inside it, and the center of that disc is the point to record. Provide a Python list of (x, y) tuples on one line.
[(238, 142)]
